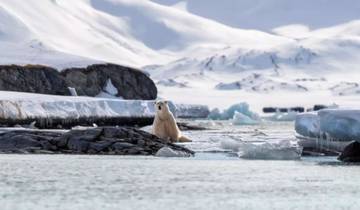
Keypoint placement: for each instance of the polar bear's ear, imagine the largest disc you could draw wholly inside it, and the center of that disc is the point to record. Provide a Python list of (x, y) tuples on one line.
[(166, 102)]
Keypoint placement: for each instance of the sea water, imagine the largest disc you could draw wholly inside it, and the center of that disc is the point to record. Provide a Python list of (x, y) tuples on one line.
[(215, 178)]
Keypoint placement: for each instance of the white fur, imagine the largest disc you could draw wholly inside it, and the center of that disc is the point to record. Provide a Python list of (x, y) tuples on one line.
[(165, 126)]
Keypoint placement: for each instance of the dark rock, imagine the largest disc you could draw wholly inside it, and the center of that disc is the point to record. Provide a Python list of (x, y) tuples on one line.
[(351, 153), (33, 79), (283, 110), (100, 146), (46, 145), (46, 123), (298, 109), (318, 107), (101, 140), (78, 145), (130, 83), (277, 109), (269, 110), (60, 141), (187, 127), (119, 146), (115, 132), (18, 141), (135, 151)]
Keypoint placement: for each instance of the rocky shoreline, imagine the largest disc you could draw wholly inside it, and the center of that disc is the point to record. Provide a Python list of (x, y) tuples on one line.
[(100, 141), (61, 123)]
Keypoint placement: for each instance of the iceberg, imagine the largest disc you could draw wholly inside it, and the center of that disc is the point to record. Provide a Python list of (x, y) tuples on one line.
[(332, 124), (340, 124), (229, 114), (215, 114), (308, 124), (328, 130)]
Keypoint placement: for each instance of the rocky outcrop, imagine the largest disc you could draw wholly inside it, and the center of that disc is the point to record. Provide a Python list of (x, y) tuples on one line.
[(33, 79), (351, 153), (102, 140), (130, 83)]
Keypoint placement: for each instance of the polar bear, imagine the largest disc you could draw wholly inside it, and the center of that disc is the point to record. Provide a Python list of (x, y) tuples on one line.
[(165, 126)]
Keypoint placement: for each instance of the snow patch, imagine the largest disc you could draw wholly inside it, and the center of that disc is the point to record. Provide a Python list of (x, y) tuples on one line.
[(262, 84), (73, 91), (172, 83), (346, 88), (110, 88)]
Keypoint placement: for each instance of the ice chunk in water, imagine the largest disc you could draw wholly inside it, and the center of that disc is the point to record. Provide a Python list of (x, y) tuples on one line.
[(284, 150), (241, 119), (230, 144), (168, 152), (266, 151)]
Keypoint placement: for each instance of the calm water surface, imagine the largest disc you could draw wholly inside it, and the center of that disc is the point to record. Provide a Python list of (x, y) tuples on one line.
[(218, 180)]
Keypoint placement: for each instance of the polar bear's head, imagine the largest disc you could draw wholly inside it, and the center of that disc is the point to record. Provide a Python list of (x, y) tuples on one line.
[(161, 107)]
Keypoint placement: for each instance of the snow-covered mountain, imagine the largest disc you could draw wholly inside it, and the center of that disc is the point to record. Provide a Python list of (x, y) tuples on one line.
[(266, 52)]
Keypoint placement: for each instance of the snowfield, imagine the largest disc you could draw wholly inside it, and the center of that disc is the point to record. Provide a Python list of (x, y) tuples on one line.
[(216, 53)]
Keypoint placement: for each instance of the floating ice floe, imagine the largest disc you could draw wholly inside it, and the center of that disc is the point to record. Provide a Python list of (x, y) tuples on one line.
[(283, 150), (168, 152), (241, 119), (271, 151)]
